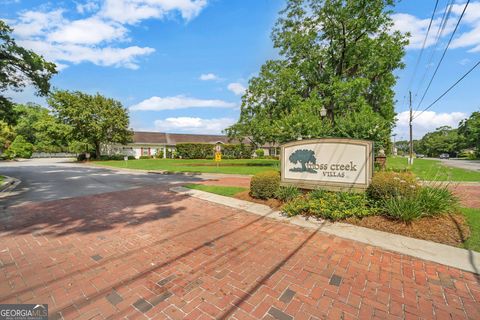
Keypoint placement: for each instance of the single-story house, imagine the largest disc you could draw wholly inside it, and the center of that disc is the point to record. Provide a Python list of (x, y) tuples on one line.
[(152, 143)]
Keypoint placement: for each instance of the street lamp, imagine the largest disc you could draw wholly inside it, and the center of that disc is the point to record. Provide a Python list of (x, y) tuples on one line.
[(323, 112)]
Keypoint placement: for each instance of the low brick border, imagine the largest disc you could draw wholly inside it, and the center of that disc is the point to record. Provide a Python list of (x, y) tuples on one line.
[(462, 259)]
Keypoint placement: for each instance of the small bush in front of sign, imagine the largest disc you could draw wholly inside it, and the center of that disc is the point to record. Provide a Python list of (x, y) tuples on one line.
[(330, 205), (287, 193), (427, 202), (387, 185), (264, 185)]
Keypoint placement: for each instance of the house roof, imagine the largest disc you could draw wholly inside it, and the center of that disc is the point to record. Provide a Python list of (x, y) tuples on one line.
[(149, 137), (162, 138)]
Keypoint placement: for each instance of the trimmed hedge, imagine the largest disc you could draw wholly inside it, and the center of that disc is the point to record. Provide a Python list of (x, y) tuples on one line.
[(237, 151), (115, 157), (195, 150), (207, 151), (264, 185)]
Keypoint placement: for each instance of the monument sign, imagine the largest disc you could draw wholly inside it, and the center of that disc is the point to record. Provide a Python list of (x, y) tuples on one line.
[(334, 164)]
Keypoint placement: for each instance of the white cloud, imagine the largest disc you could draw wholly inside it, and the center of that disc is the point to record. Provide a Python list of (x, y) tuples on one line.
[(193, 125), (88, 31), (133, 11), (179, 102), (237, 88), (95, 38), (72, 53), (33, 23), (468, 35), (208, 76), (426, 122)]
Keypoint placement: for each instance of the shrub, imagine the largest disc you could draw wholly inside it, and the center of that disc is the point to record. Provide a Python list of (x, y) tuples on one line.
[(237, 151), (260, 153), (194, 150), (330, 205), (405, 209), (145, 157), (264, 185), (428, 201), (297, 206), (159, 154), (83, 156), (437, 200), (114, 157), (20, 148), (287, 193), (388, 184)]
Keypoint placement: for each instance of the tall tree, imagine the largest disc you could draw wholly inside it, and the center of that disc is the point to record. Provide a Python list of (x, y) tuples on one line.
[(470, 130), (442, 140), (19, 67), (6, 136), (335, 54), (40, 128), (94, 119)]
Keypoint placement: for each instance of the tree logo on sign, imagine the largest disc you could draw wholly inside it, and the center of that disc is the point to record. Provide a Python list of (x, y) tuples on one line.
[(303, 157)]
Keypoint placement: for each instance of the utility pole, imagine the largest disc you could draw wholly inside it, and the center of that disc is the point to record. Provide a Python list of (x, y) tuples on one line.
[(410, 159)]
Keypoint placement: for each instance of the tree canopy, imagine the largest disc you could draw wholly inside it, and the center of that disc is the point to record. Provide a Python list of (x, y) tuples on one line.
[(94, 119), (470, 130), (443, 140), (40, 128), (335, 54), (19, 67)]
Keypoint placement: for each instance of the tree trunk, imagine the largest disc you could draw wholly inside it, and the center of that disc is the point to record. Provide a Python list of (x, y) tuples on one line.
[(97, 150), (304, 167)]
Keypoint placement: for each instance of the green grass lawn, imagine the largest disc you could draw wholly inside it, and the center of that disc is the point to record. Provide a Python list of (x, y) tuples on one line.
[(1, 179), (240, 166), (221, 190), (473, 219), (433, 170), (426, 169)]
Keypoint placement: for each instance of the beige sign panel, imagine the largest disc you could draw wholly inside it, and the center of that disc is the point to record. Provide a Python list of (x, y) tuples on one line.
[(335, 164)]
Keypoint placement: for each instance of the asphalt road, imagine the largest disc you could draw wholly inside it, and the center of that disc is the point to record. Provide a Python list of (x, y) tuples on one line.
[(463, 164), (52, 179)]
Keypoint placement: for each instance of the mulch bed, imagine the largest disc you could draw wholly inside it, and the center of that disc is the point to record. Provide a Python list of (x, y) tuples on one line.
[(272, 203), (450, 229)]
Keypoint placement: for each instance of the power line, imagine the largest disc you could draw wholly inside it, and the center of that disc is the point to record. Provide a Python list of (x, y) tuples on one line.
[(441, 29), (448, 90), (444, 52), (423, 46)]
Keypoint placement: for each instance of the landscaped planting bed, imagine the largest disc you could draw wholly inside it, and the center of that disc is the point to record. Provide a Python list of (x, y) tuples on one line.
[(395, 202)]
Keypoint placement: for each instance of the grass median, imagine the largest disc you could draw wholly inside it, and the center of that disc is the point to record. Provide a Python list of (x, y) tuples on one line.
[(220, 190), (237, 166), (425, 169), (433, 170)]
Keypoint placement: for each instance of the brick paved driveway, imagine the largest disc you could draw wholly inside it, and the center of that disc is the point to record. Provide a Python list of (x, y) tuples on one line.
[(148, 253)]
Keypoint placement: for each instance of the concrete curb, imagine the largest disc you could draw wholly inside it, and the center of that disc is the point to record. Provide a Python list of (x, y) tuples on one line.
[(466, 260), (9, 184)]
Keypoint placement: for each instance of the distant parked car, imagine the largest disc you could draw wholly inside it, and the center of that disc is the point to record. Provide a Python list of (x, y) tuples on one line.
[(444, 156), (419, 155)]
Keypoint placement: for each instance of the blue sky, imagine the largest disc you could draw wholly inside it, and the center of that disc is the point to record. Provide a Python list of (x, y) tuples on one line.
[(182, 65)]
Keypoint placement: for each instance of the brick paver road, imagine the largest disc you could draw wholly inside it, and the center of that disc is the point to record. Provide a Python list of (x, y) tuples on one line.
[(149, 253)]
